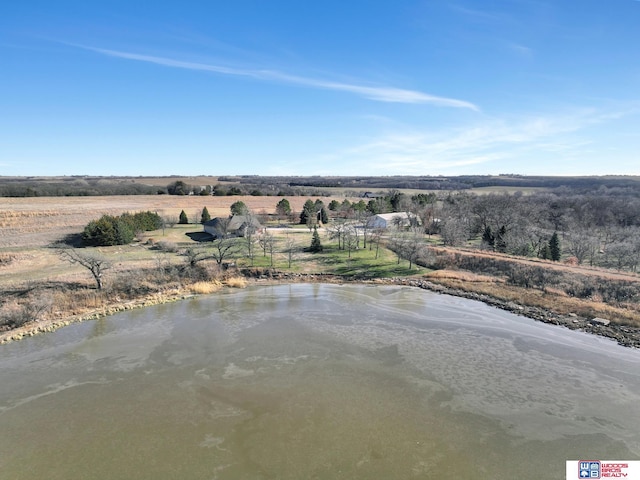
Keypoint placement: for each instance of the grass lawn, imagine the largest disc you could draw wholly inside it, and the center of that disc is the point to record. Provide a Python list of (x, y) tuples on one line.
[(361, 263)]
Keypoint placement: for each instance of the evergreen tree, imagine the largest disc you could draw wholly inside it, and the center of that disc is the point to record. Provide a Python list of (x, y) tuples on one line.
[(360, 206), (142, 221), (100, 232), (324, 218), (109, 230), (308, 214), (183, 220), (488, 238), (205, 217), (239, 208), (316, 245), (345, 206), (283, 208), (545, 254), (334, 205), (374, 207), (396, 199), (500, 242), (123, 232), (554, 247)]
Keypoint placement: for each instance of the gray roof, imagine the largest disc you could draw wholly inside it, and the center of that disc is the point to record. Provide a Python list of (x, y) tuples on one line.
[(235, 223)]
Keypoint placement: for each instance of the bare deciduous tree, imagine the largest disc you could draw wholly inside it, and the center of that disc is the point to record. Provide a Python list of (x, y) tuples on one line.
[(376, 237), (196, 254), (290, 248), (337, 231), (267, 242), (581, 244), (223, 248), (91, 260), (250, 243), (169, 221), (350, 239)]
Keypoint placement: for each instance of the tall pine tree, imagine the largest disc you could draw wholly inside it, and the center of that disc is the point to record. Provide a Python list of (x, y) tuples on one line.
[(205, 217), (554, 247), (316, 246)]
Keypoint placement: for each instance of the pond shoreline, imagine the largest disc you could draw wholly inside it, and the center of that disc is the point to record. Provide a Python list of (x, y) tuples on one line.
[(623, 335)]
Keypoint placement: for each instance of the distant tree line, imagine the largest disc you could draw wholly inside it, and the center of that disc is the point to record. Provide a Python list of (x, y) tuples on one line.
[(71, 187), (463, 182), (309, 186)]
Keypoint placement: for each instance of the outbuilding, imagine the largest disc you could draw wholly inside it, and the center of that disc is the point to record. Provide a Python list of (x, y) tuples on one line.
[(393, 220)]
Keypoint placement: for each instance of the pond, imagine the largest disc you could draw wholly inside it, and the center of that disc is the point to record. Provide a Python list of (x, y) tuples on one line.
[(315, 381)]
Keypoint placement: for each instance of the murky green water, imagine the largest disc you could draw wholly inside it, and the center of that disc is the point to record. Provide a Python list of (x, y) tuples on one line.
[(315, 382)]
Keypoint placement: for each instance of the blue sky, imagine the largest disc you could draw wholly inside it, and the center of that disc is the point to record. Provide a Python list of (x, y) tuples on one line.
[(356, 87)]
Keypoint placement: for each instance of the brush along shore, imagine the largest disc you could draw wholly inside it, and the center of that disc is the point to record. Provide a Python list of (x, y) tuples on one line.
[(625, 335)]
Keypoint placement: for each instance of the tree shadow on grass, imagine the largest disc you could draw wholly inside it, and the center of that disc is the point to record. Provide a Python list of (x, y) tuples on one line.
[(372, 270), (48, 285)]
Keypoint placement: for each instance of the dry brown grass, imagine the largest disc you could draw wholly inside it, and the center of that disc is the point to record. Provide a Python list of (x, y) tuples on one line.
[(7, 258), (236, 282), (204, 288), (548, 264), (77, 302), (559, 302), (462, 276)]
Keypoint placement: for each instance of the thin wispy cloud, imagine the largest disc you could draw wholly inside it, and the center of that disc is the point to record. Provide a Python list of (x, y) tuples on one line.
[(480, 15), (493, 141), (377, 93), (520, 49)]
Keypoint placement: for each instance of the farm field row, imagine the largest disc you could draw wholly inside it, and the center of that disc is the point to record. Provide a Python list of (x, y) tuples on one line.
[(38, 221)]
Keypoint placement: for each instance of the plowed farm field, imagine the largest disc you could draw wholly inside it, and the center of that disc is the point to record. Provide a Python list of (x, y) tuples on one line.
[(38, 221)]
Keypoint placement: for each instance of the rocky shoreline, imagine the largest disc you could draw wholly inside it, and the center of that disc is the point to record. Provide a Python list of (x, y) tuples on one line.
[(52, 325), (624, 335)]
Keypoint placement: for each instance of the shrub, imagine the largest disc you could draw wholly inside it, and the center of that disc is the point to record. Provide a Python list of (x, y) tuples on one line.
[(236, 282), (131, 284), (168, 247), (109, 230), (204, 287), (16, 314)]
